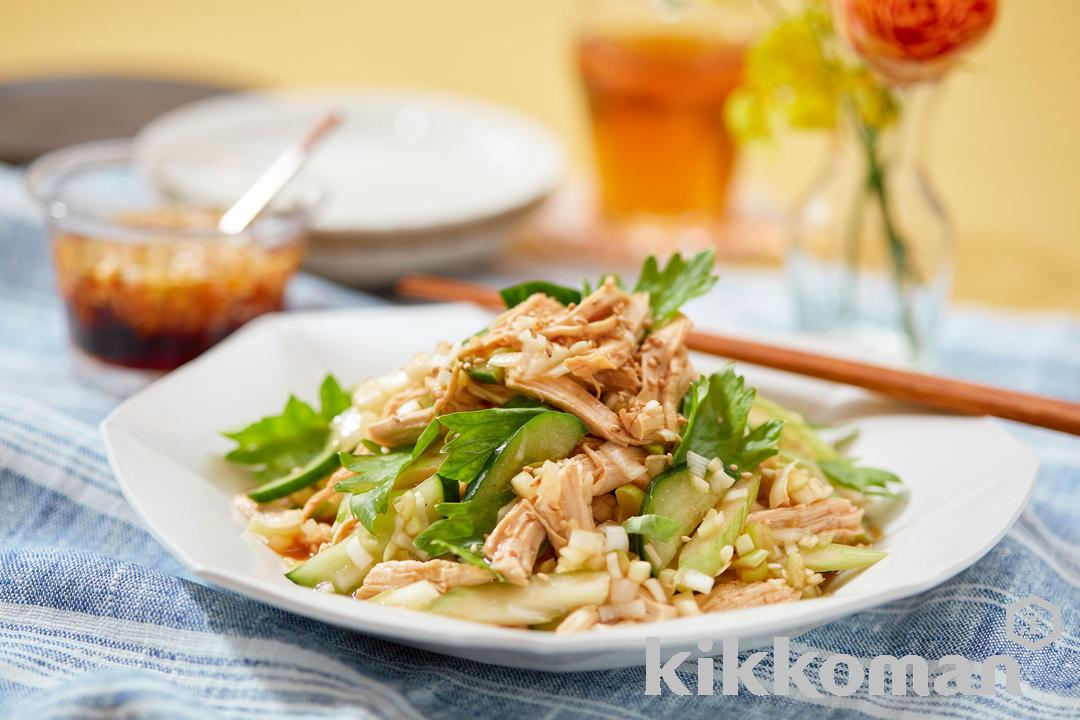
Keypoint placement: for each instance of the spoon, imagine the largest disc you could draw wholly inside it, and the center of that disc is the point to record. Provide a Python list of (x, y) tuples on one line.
[(237, 218)]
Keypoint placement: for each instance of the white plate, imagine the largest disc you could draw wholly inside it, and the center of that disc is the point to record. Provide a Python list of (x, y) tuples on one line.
[(413, 181), (400, 161), (968, 479)]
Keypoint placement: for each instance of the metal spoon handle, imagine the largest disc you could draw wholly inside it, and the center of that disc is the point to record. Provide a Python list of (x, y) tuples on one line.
[(237, 218)]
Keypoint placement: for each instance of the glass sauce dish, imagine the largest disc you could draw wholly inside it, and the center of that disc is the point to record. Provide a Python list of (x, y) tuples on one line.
[(148, 281)]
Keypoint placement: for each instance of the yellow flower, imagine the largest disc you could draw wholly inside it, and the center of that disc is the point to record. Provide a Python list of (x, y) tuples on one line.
[(746, 115), (787, 79), (874, 104)]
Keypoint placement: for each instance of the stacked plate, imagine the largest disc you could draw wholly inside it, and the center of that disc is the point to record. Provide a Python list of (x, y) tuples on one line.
[(412, 181)]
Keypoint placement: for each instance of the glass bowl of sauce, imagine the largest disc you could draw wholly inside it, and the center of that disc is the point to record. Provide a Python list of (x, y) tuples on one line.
[(148, 280)]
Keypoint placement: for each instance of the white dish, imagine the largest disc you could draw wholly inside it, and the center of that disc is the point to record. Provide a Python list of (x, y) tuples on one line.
[(413, 180), (968, 480)]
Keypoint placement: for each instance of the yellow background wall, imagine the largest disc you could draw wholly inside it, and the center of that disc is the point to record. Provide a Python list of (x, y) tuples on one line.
[(1006, 148)]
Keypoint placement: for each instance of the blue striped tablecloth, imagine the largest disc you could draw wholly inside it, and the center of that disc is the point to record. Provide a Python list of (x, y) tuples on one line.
[(97, 620)]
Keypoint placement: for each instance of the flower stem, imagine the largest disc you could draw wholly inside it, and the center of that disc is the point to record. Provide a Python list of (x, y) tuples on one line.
[(903, 272), (852, 247)]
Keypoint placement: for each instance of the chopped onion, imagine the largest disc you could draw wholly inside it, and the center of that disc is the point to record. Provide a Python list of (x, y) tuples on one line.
[(622, 611), (694, 580), (698, 465), (719, 481), (622, 590), (615, 538), (524, 485), (744, 544), (504, 360), (654, 588), (613, 567), (587, 541), (360, 557), (736, 494), (686, 605), (778, 493), (639, 571)]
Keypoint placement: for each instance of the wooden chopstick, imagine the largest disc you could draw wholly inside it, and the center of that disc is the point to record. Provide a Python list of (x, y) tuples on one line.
[(913, 387)]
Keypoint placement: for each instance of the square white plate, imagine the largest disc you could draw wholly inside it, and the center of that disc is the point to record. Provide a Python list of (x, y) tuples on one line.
[(968, 480)]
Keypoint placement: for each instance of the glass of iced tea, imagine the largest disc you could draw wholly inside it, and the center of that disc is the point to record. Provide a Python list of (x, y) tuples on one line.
[(656, 76), (148, 280)]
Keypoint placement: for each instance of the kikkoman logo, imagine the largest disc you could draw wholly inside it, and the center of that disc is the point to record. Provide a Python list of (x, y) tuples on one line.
[(838, 674), (844, 675)]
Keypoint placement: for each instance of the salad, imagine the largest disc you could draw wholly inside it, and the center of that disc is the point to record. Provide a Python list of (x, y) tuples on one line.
[(565, 468)]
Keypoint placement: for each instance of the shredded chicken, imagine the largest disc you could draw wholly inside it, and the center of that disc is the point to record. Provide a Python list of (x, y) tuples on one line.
[(542, 358), (445, 394), (404, 401), (584, 618), (538, 308), (616, 345), (495, 394), (835, 515), (666, 375), (327, 494), (655, 611), (625, 378), (443, 574), (344, 530), (605, 300), (735, 594), (563, 499), (593, 330), (565, 394), (617, 466), (512, 546), (401, 429)]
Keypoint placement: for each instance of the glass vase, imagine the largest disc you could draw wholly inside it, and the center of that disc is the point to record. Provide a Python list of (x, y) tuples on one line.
[(871, 251)]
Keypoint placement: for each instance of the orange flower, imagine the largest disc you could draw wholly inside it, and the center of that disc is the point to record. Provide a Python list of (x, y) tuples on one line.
[(912, 40)]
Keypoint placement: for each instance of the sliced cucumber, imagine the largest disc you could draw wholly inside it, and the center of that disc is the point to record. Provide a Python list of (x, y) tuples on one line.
[(487, 374), (430, 493), (541, 601), (419, 470), (798, 436), (312, 471), (548, 436), (673, 495), (702, 553), (840, 557), (343, 565), (522, 401)]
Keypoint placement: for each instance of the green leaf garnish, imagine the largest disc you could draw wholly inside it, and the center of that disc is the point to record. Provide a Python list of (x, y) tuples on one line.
[(717, 409), (274, 446), (660, 527), (588, 288), (373, 484), (677, 283), (333, 398), (377, 476), (867, 480), (475, 435), (462, 529), (517, 294), (371, 470)]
